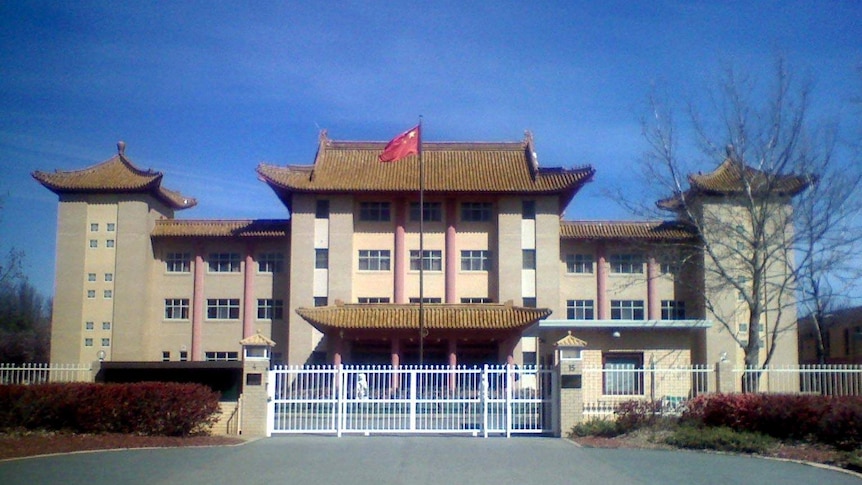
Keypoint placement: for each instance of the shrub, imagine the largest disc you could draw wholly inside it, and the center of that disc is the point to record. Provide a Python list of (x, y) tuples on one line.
[(149, 408), (596, 427), (635, 414), (719, 439), (832, 420)]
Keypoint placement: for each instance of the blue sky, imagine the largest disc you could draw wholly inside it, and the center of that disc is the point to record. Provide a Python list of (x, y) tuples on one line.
[(204, 92)]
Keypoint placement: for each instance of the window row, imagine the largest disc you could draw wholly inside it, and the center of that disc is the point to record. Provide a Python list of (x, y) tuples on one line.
[(619, 263), (224, 309), (106, 294), (94, 243), (385, 299), (624, 310), (92, 325), (181, 262), (109, 277), (110, 227), (432, 260), (88, 342), (431, 211)]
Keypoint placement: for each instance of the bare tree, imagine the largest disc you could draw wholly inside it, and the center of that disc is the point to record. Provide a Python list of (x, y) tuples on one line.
[(770, 218)]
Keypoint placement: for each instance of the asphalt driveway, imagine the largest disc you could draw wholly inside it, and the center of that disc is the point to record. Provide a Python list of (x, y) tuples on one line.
[(436, 460)]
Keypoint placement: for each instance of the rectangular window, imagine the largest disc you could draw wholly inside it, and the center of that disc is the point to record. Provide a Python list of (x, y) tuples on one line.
[(475, 211), (374, 260), (669, 265), (529, 302), (672, 310), (627, 263), (579, 263), (178, 262), (166, 356), (223, 308), (106, 325), (427, 299), (89, 325), (373, 299), (580, 310), (108, 294), (176, 309), (270, 262), (432, 260), (91, 276), (321, 209), (477, 299), (432, 211), (221, 356), (269, 309), (109, 243), (111, 227), (223, 262), (109, 277), (94, 227), (475, 260), (627, 310), (374, 211), (184, 355), (91, 293), (94, 243), (528, 259), (106, 342), (528, 209), (321, 258), (623, 374), (88, 342), (321, 300)]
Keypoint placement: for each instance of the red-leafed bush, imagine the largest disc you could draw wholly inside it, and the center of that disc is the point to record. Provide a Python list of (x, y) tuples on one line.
[(832, 420), (149, 408), (636, 414)]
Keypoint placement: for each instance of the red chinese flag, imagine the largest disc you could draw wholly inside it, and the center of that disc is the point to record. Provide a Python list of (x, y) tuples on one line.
[(401, 146)]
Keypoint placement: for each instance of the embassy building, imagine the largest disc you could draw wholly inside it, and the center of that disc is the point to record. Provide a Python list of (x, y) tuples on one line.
[(503, 276)]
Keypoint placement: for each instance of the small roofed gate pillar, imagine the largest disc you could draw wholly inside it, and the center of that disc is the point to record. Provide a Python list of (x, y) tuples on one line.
[(256, 414), (453, 363)]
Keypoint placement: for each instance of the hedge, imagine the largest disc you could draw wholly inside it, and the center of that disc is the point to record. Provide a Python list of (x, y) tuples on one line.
[(832, 420), (148, 408)]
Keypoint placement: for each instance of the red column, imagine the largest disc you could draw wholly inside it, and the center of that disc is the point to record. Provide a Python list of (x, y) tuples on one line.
[(198, 305), (602, 283), (653, 306), (248, 303), (451, 252), (338, 350), (399, 265)]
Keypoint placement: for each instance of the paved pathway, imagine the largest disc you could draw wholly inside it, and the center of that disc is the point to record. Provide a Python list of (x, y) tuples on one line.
[(320, 460)]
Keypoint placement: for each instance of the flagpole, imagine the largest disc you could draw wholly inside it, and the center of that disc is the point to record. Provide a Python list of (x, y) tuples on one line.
[(421, 250)]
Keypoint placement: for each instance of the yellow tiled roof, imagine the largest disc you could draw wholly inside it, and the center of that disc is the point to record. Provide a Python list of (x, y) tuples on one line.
[(216, 228), (435, 316), (660, 231), (570, 341), (117, 174), (448, 167), (733, 177)]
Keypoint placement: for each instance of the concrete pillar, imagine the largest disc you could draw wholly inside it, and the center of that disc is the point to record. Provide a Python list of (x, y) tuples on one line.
[(396, 363), (453, 363), (249, 305), (602, 304), (451, 252), (198, 305), (400, 256), (255, 402), (724, 377), (653, 304), (570, 404)]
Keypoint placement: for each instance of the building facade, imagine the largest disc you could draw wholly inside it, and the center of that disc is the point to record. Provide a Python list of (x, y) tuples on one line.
[(497, 275)]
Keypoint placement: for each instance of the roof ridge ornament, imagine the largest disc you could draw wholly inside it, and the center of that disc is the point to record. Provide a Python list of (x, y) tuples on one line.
[(121, 148)]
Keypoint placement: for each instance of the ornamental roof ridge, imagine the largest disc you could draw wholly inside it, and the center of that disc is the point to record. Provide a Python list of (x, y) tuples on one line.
[(114, 175)]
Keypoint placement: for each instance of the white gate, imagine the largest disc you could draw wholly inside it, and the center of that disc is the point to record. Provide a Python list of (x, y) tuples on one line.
[(381, 399)]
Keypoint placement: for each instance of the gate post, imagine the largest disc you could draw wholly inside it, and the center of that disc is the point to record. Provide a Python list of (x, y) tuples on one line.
[(484, 398), (255, 416)]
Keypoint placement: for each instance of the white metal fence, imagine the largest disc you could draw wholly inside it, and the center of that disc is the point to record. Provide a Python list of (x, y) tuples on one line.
[(44, 373), (604, 388), (383, 399)]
